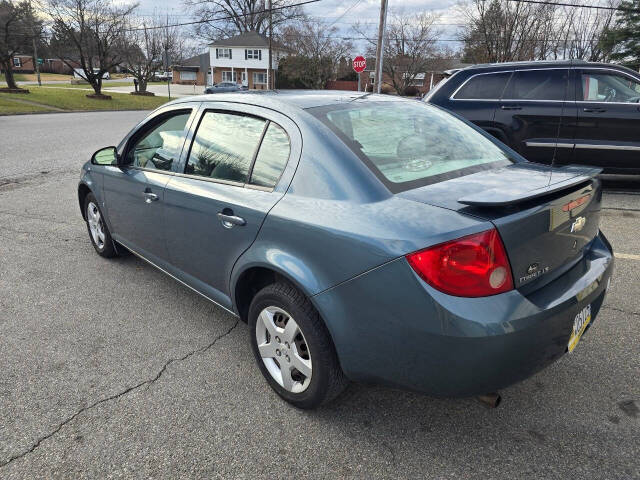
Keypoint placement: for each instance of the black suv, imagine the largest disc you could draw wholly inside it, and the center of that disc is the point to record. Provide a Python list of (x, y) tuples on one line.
[(568, 112)]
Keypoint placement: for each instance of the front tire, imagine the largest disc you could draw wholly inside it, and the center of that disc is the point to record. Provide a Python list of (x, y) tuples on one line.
[(293, 348), (97, 228)]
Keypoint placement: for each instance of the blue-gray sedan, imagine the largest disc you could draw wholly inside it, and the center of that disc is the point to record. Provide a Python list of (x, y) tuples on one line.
[(361, 237)]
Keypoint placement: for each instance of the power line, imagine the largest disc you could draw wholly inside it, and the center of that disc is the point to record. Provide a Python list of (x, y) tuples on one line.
[(344, 13), (227, 17), (575, 5)]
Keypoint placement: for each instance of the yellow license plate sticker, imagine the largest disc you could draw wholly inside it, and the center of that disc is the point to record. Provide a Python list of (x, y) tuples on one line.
[(579, 326)]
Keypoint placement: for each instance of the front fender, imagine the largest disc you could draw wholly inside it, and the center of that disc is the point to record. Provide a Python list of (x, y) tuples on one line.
[(91, 180)]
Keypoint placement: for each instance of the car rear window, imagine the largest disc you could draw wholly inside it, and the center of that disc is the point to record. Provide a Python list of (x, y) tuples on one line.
[(409, 144)]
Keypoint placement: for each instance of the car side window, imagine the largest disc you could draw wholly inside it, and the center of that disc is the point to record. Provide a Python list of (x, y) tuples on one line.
[(224, 146), (483, 87), (598, 86), (548, 84), (272, 157), (161, 146)]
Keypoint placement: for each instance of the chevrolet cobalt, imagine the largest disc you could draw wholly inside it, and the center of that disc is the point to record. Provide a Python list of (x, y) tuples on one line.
[(361, 237)]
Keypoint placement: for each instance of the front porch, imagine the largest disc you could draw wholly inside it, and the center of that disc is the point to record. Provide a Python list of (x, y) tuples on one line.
[(252, 78)]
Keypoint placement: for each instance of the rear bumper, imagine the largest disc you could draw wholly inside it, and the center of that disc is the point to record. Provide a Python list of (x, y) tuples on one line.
[(386, 330)]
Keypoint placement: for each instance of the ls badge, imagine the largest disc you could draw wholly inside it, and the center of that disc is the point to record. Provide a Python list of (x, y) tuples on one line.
[(578, 224)]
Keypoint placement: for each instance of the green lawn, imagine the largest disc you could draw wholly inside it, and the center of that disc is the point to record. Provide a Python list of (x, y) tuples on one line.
[(7, 107), (31, 77), (67, 99), (105, 84)]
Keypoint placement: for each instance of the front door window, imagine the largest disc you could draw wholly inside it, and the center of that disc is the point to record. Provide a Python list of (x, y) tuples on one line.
[(609, 87), (160, 147)]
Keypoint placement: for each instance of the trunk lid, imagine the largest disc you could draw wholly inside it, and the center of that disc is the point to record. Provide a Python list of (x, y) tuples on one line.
[(546, 217)]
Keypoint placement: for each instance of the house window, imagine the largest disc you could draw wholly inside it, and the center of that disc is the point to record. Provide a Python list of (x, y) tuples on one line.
[(17, 62), (259, 78), (187, 76), (229, 76), (253, 54), (223, 53)]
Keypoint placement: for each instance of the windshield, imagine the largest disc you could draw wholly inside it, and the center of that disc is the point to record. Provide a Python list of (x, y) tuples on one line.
[(409, 144)]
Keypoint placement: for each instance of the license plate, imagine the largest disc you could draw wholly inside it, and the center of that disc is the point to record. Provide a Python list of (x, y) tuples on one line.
[(579, 326)]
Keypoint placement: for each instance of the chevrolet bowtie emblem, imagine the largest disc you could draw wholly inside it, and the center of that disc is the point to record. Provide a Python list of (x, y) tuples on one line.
[(578, 224)]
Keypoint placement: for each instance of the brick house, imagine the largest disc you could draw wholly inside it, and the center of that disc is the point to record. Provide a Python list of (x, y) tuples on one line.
[(244, 59), (22, 64), (195, 69)]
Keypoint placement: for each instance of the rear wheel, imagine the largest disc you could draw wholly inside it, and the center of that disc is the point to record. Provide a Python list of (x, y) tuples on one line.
[(293, 348), (98, 231)]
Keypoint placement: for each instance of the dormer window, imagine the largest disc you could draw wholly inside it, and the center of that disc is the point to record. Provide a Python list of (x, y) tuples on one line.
[(223, 53), (252, 54)]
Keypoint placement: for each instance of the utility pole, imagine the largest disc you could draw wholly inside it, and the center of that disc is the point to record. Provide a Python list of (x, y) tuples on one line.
[(166, 56), (270, 78), (380, 47), (35, 44)]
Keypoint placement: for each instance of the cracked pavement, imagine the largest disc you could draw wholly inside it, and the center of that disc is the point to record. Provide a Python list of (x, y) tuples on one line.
[(110, 369)]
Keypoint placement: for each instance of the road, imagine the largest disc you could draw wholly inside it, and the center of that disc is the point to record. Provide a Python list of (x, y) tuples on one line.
[(111, 369)]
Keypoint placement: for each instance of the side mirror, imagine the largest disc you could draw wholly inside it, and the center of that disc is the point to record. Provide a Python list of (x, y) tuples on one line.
[(105, 156)]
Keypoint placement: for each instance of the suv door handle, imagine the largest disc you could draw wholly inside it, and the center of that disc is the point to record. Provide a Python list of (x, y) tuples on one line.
[(594, 110), (150, 197), (228, 221), (511, 107)]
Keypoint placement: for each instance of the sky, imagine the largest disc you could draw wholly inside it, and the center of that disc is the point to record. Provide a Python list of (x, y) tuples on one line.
[(343, 12)]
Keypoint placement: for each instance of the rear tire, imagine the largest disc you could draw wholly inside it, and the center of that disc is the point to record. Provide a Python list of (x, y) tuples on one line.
[(297, 359), (98, 231)]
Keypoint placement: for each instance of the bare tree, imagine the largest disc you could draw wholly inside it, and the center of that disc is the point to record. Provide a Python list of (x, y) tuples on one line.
[(410, 48), (586, 29), (317, 50), (91, 34), (143, 52), (15, 34), (228, 17), (503, 31)]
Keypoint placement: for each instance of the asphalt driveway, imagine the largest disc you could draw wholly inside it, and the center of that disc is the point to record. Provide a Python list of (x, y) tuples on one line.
[(109, 369)]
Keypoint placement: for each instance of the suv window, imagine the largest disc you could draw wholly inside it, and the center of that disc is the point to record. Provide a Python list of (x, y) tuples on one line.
[(224, 146), (538, 85), (598, 86), (161, 146), (410, 144), (272, 157), (483, 87)]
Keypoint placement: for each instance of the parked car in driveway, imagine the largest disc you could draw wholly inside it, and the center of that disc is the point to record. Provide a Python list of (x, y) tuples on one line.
[(362, 237), (224, 87), (565, 112)]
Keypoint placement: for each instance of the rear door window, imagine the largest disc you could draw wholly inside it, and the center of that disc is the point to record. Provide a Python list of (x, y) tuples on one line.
[(224, 146), (409, 144), (483, 87), (537, 85), (272, 157)]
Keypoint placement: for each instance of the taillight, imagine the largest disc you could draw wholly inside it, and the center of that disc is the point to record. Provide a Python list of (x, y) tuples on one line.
[(471, 266)]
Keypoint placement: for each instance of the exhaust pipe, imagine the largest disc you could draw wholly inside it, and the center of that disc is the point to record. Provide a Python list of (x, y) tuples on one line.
[(491, 400)]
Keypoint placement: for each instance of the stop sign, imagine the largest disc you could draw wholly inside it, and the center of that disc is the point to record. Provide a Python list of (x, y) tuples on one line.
[(359, 63)]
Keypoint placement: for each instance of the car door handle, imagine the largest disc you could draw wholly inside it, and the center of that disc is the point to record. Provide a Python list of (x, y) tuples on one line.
[(229, 221), (594, 110), (150, 197), (511, 107)]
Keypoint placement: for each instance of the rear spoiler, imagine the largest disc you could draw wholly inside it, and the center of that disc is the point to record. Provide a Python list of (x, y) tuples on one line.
[(499, 197)]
